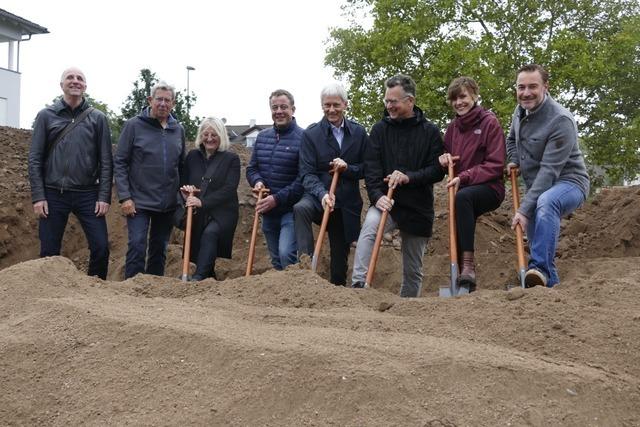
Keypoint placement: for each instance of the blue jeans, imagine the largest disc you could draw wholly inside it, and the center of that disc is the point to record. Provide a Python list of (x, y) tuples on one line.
[(544, 229), (157, 226), (280, 235), (82, 204)]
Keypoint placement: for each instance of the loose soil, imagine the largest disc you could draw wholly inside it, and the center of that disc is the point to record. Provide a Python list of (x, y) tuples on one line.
[(288, 348)]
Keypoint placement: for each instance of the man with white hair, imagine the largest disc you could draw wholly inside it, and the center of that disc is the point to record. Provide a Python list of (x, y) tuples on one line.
[(70, 171), (333, 143), (147, 168)]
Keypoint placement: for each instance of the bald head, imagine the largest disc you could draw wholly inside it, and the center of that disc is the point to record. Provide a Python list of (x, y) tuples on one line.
[(72, 70), (73, 85)]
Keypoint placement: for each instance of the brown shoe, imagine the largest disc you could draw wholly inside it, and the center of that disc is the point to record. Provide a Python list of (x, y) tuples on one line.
[(533, 278)]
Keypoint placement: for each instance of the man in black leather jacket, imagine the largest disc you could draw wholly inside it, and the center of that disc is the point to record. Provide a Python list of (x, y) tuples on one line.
[(72, 174)]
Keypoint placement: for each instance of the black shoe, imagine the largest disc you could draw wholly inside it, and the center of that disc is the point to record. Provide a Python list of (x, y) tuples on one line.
[(358, 285), (196, 278), (468, 282)]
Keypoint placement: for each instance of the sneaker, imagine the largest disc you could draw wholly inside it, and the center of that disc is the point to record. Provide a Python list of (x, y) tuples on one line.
[(358, 285), (533, 278)]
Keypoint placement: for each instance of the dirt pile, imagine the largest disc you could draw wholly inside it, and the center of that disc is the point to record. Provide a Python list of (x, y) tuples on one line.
[(288, 348)]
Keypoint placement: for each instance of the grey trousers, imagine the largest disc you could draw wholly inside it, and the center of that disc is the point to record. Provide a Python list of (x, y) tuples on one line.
[(412, 252)]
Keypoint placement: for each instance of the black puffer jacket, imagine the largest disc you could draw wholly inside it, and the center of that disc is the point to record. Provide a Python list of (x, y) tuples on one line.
[(148, 162), (82, 161), (411, 146)]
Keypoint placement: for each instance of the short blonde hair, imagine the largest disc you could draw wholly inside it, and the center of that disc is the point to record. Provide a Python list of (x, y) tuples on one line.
[(218, 126)]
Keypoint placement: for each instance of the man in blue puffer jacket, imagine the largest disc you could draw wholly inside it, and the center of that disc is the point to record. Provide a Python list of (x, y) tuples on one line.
[(147, 167), (274, 165)]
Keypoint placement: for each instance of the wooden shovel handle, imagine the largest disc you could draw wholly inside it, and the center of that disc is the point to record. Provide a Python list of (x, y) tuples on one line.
[(377, 243), (254, 233), (186, 253), (453, 235), (325, 221), (516, 205)]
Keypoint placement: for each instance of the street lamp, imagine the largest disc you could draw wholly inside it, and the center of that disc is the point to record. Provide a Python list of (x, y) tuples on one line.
[(189, 69)]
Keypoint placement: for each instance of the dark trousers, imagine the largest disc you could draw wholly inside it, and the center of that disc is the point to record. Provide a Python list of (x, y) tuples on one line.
[(157, 227), (207, 254), (307, 211), (82, 204), (471, 202)]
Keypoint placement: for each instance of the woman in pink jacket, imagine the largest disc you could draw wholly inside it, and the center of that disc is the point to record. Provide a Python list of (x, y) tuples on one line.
[(475, 135)]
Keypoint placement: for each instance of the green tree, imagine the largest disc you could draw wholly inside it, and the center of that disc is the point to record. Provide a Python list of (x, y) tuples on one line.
[(137, 100), (590, 47)]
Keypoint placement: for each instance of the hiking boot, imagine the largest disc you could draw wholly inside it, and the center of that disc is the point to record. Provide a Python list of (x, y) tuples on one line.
[(533, 278), (467, 277)]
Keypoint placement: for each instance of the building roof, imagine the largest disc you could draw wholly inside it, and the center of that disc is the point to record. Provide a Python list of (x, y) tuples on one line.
[(238, 133), (15, 27)]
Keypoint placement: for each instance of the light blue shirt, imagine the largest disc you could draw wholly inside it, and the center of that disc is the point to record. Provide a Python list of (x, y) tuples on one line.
[(338, 133)]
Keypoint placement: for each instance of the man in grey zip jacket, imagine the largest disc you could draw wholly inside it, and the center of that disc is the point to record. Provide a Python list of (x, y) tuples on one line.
[(74, 174), (543, 144), (147, 167)]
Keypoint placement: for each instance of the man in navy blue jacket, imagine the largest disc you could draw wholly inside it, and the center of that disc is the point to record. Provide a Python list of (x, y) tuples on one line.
[(334, 142), (147, 167), (274, 165)]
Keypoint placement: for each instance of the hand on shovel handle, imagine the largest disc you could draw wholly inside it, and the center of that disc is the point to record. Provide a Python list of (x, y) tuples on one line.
[(260, 193)]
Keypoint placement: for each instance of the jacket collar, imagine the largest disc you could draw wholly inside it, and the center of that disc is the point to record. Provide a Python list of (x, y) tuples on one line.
[(471, 119), (347, 141), (292, 125), (546, 101), (417, 118), (59, 105), (172, 123)]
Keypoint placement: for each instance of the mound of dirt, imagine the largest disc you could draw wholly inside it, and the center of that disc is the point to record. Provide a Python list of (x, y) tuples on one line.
[(288, 348)]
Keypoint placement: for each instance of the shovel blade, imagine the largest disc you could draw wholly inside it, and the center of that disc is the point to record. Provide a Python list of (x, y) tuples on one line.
[(453, 289), (521, 275), (445, 292)]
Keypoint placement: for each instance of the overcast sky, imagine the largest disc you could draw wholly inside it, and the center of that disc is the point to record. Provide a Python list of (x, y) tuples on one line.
[(241, 50)]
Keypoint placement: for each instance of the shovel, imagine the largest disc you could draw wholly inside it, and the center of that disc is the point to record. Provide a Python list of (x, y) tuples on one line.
[(186, 253), (325, 221), (376, 245), (453, 288), (519, 241), (254, 233)]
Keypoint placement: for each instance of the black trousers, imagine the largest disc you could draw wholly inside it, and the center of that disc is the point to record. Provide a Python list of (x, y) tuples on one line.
[(205, 266), (471, 202), (306, 212)]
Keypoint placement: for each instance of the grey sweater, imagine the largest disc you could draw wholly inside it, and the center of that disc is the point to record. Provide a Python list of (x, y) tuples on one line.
[(544, 144)]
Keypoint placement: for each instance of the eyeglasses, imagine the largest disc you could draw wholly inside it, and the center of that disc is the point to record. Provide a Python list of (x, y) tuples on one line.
[(394, 101), (283, 107), (160, 100)]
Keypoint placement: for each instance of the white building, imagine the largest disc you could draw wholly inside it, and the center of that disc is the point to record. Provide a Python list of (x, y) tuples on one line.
[(13, 31)]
